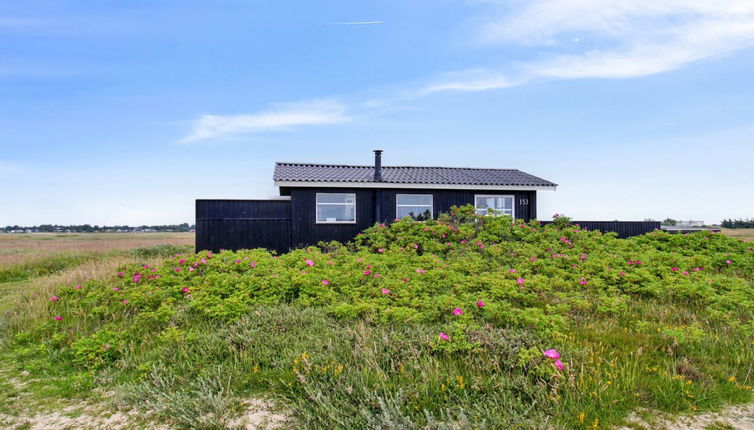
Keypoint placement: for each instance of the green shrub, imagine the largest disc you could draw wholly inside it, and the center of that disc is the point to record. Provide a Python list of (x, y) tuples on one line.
[(349, 336)]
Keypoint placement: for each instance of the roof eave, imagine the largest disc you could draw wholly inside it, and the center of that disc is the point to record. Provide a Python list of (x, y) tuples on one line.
[(324, 184)]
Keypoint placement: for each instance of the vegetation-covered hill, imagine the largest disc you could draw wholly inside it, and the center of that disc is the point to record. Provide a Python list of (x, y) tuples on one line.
[(460, 322)]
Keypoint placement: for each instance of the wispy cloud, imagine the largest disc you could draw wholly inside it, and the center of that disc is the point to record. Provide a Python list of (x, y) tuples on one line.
[(624, 38), (280, 117), (564, 39), (467, 81), (357, 23)]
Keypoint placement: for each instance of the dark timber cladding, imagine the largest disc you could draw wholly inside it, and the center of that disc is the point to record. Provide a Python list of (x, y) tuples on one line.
[(623, 229), (243, 224), (306, 231)]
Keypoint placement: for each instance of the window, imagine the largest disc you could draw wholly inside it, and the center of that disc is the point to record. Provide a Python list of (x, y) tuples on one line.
[(417, 206), (500, 205), (336, 208)]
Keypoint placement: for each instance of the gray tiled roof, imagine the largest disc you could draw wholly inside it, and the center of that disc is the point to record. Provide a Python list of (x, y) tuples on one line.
[(303, 172)]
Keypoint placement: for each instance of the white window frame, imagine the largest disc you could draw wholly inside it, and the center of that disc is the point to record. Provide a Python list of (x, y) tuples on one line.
[(431, 204), (495, 212), (317, 204)]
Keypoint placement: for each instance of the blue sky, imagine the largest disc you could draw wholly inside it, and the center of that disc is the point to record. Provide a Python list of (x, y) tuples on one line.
[(126, 112)]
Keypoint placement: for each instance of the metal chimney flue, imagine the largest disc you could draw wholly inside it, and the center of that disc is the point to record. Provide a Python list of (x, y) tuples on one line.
[(377, 165)]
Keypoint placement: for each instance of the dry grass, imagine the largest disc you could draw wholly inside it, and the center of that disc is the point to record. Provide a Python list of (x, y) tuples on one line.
[(746, 234), (19, 248), (27, 300), (101, 254)]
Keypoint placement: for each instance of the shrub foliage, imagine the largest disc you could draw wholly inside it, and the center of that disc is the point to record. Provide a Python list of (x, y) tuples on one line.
[(433, 324)]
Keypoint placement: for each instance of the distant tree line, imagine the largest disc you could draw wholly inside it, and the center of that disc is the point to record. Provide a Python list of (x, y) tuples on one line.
[(738, 223), (86, 228)]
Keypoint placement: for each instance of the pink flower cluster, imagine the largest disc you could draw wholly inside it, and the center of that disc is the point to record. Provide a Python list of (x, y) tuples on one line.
[(554, 355)]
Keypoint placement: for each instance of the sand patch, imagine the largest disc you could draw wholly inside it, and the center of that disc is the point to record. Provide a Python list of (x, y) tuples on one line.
[(740, 417)]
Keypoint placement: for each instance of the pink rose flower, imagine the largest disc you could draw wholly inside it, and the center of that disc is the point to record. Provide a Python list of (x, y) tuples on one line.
[(457, 311), (552, 353), (443, 336)]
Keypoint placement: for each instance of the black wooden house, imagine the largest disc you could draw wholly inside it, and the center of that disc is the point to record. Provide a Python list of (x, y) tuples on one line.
[(324, 202)]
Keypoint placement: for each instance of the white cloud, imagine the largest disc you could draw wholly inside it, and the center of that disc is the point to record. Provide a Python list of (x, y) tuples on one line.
[(281, 117), (629, 38), (468, 81)]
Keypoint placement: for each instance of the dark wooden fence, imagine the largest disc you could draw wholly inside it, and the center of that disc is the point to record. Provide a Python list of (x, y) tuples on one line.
[(622, 228), (243, 224)]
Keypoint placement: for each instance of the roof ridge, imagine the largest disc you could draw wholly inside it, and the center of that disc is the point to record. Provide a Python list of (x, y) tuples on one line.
[(286, 163)]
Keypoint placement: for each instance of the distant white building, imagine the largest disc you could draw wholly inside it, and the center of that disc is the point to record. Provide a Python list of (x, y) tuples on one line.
[(690, 223)]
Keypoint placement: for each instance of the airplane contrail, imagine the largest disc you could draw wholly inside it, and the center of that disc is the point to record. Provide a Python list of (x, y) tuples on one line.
[(358, 23)]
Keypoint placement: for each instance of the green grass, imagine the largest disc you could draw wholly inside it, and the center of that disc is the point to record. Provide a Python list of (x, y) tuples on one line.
[(38, 267), (42, 267), (192, 347)]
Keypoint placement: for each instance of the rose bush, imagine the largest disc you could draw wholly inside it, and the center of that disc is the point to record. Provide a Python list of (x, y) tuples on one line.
[(627, 316)]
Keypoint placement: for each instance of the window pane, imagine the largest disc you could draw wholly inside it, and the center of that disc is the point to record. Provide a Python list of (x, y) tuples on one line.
[(335, 198), (414, 199), (336, 213), (417, 212), (500, 204), (336, 207), (485, 202)]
